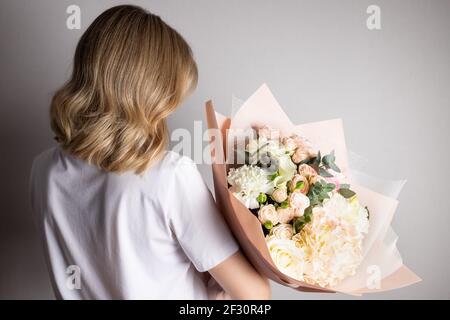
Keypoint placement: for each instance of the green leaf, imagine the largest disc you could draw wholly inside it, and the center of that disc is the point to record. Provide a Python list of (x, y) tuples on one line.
[(326, 190), (330, 187), (308, 214), (323, 196), (298, 224), (334, 167), (329, 162), (314, 200), (326, 160), (318, 159), (308, 211), (325, 173), (308, 218), (346, 193), (344, 186)]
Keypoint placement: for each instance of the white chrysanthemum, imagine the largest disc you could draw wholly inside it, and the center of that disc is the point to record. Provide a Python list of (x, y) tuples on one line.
[(331, 244), (247, 182)]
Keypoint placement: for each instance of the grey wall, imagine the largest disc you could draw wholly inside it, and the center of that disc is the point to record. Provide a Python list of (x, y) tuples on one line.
[(390, 86)]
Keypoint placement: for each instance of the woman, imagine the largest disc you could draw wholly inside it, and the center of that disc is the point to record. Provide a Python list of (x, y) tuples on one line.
[(121, 218)]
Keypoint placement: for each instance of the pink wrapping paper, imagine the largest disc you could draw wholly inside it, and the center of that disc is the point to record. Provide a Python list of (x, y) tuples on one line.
[(379, 247)]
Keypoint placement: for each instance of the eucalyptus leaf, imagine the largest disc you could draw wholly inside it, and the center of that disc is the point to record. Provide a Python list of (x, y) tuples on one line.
[(330, 186), (346, 193), (318, 158), (325, 173), (334, 167)]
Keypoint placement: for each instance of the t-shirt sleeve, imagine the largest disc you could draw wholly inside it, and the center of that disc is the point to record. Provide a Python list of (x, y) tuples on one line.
[(195, 220)]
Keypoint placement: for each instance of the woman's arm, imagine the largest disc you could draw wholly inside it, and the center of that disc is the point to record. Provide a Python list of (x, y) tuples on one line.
[(240, 280)]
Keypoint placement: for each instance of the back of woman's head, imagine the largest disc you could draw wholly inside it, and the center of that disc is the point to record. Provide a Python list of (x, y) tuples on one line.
[(131, 70)]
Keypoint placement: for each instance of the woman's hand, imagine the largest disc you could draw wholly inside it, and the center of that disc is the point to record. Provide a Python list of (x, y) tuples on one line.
[(240, 280)]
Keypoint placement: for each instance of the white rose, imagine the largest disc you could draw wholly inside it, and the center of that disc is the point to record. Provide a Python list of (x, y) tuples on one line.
[(282, 231), (268, 213), (285, 215), (286, 256)]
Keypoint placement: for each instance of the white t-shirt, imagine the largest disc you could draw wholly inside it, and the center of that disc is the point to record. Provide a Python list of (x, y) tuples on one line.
[(129, 236)]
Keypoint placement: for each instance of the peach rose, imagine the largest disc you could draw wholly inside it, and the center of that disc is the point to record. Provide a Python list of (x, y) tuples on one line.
[(296, 179), (300, 155), (282, 231), (285, 215), (301, 142), (279, 195), (289, 143), (306, 171), (299, 202), (268, 213)]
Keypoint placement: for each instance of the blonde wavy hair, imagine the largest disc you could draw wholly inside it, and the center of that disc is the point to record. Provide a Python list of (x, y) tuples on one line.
[(131, 70)]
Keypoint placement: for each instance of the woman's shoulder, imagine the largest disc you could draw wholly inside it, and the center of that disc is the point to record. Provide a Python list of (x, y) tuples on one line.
[(173, 160), (44, 159), (163, 180), (45, 155), (172, 165)]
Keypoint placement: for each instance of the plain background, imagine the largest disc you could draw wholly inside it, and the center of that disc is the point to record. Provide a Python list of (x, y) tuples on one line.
[(390, 86)]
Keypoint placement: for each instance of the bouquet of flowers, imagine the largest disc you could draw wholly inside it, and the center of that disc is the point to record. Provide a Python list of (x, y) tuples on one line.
[(313, 221), (292, 202)]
